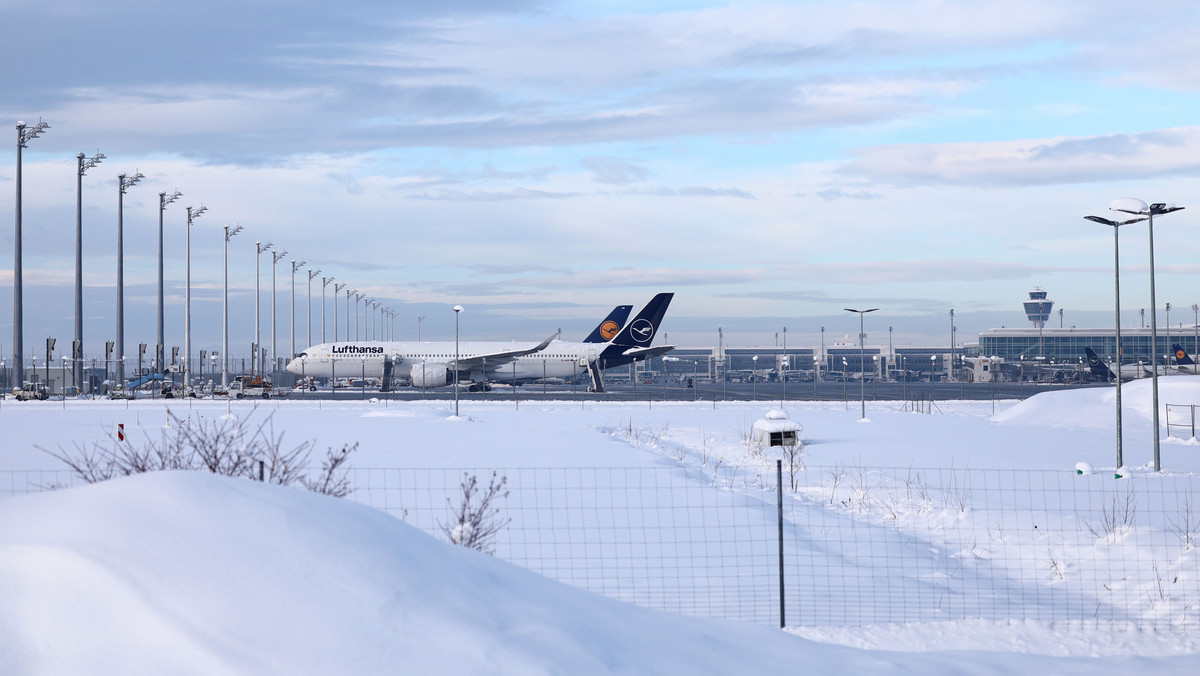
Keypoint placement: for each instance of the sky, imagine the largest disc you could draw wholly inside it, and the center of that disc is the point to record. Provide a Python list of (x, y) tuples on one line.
[(541, 162)]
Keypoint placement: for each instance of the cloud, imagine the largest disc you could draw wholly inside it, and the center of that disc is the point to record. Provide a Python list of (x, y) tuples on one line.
[(1110, 157), (493, 195), (614, 171), (831, 194)]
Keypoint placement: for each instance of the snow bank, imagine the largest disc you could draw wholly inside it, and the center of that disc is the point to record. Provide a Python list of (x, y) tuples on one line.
[(1095, 408), (191, 573)]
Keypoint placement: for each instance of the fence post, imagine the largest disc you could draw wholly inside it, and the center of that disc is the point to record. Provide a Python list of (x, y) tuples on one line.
[(779, 505)]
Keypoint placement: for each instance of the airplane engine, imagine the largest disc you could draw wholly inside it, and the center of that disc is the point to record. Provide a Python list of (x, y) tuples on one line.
[(429, 375)]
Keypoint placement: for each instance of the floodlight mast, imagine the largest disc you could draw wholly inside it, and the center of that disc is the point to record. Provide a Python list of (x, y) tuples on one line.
[(225, 309), (24, 136), (159, 352), (84, 163), (259, 249), (192, 214), (311, 275), (1116, 225), (124, 183), (862, 337), (337, 288), (326, 281), (295, 266), (1139, 208), (276, 256)]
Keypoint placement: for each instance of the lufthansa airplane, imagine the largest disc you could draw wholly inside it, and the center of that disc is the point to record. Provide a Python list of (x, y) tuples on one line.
[(435, 364)]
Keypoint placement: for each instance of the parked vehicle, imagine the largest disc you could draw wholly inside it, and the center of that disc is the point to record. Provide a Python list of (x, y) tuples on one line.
[(31, 391), (250, 386)]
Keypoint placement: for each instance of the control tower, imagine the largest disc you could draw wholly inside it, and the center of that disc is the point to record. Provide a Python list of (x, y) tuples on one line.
[(1037, 308)]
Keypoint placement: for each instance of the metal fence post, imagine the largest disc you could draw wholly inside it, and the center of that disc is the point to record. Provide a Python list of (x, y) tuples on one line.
[(779, 505)]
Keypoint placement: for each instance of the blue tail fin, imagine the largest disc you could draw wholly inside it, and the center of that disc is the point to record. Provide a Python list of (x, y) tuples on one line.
[(640, 332), (608, 329), (1181, 356), (1097, 365)]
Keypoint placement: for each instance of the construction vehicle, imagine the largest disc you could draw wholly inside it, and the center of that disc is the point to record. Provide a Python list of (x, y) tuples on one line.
[(31, 391), (250, 386)]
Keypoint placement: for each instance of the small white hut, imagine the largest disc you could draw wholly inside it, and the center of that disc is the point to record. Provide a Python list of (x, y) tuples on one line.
[(776, 430)]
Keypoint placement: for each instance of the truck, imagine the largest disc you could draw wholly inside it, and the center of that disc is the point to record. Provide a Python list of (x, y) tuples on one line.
[(250, 386), (31, 391)]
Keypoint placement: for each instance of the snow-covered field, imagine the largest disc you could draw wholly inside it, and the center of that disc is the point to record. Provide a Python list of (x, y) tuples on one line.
[(193, 573)]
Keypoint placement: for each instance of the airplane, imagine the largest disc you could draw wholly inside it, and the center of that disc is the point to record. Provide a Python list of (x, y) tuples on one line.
[(433, 364), (1183, 361), (1184, 365)]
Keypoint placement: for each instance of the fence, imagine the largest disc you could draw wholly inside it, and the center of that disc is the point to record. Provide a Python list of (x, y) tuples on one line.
[(860, 545), (1181, 416)]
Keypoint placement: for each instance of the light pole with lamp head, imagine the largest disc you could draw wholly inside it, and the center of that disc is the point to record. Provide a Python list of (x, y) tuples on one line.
[(159, 349), (225, 310), (295, 266), (84, 163), (24, 135), (419, 318), (457, 311), (1116, 226), (311, 275), (1137, 207), (255, 359), (337, 288), (862, 339), (124, 182), (276, 256), (326, 281), (192, 214)]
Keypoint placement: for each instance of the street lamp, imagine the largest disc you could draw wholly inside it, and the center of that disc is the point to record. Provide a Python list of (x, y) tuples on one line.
[(311, 275), (259, 249), (349, 292), (124, 182), (337, 288), (187, 302), (457, 311), (24, 135), (326, 281), (163, 200), (1137, 207), (952, 344), (276, 256), (862, 339), (419, 318), (1116, 226), (82, 167), (295, 266), (225, 310)]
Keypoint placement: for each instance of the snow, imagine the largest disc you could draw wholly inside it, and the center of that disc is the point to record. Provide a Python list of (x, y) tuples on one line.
[(192, 573)]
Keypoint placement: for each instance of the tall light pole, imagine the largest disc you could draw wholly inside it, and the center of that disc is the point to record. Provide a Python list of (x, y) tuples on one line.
[(124, 182), (951, 344), (160, 349), (276, 256), (1116, 225), (192, 214), (337, 288), (326, 281), (1195, 328), (24, 135), (419, 318), (457, 311), (225, 309), (255, 360), (84, 163), (1139, 208), (311, 275), (349, 292), (295, 266), (357, 299), (862, 339)]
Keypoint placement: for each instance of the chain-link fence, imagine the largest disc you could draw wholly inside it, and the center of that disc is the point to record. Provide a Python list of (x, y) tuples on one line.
[(861, 545)]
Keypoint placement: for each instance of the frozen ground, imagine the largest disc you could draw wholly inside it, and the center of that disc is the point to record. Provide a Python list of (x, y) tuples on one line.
[(185, 573)]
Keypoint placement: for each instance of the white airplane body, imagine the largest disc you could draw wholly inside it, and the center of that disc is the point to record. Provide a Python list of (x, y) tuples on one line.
[(435, 364)]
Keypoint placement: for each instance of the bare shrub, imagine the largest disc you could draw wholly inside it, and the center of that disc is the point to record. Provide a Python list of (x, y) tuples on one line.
[(1117, 516), (1187, 526), (228, 446), (793, 460), (476, 521)]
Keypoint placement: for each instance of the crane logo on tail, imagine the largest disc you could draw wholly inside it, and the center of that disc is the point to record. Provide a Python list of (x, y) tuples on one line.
[(642, 330), (609, 329)]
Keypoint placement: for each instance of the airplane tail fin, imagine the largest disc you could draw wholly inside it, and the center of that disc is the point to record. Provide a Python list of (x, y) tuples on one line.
[(611, 326), (1097, 365), (1181, 356), (640, 332)]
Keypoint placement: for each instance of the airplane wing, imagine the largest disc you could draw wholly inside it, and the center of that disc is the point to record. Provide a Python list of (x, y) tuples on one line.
[(495, 359), (647, 352)]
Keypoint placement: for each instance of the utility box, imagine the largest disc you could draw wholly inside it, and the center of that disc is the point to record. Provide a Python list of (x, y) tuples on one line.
[(776, 430)]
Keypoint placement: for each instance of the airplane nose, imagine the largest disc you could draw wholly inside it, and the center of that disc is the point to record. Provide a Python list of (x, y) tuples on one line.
[(295, 367)]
